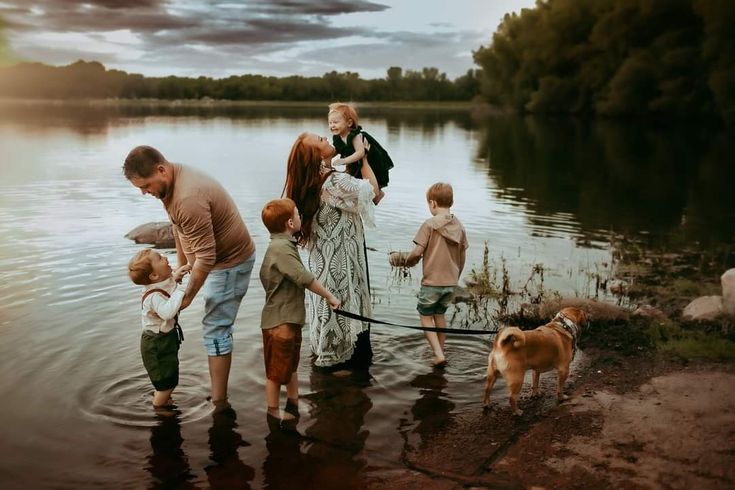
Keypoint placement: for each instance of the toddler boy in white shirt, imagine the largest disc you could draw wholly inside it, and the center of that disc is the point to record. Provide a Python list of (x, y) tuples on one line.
[(161, 301)]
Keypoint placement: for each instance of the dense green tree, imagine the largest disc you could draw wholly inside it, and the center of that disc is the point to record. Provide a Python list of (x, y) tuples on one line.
[(671, 58)]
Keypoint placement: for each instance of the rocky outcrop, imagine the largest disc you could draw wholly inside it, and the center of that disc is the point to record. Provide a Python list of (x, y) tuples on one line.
[(728, 291), (703, 308), (710, 307), (157, 233)]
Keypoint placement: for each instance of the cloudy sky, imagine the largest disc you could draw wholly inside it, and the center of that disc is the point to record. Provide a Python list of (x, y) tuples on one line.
[(281, 37)]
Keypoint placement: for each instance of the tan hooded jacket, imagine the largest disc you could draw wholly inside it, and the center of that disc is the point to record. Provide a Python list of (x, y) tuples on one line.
[(444, 242)]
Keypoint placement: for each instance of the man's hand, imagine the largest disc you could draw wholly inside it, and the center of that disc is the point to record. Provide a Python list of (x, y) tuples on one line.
[(186, 301)]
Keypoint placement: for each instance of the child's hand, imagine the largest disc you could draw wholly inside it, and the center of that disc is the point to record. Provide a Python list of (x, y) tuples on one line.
[(180, 272), (397, 259), (334, 303)]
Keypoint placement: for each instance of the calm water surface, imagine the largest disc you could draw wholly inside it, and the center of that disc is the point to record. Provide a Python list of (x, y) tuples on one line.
[(76, 398)]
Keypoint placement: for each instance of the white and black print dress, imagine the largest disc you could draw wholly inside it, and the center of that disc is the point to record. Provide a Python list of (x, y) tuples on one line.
[(337, 259)]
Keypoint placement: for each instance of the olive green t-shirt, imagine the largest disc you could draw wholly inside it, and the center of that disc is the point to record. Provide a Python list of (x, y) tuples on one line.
[(284, 279)]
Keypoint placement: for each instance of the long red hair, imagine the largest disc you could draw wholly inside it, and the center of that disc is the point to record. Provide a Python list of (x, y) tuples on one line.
[(304, 183)]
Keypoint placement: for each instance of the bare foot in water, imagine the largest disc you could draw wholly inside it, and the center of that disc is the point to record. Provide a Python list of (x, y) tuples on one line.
[(282, 416), (440, 362)]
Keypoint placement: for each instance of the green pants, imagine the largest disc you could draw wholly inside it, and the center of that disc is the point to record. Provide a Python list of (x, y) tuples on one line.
[(160, 353)]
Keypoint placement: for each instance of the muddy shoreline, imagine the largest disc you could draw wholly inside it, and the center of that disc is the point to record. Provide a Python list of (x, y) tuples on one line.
[(632, 422)]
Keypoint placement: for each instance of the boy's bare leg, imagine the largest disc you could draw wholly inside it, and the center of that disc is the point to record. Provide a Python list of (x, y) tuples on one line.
[(291, 412), (292, 389), (433, 339), (272, 395), (440, 321), (162, 399), (219, 373)]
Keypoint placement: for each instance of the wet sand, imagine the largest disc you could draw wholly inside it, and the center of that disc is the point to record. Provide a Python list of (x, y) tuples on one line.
[(641, 423)]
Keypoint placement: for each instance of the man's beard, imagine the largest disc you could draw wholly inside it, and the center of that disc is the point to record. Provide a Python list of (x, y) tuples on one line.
[(163, 192)]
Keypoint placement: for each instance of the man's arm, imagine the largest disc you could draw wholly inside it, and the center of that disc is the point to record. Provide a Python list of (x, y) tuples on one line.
[(196, 226), (181, 259), (198, 276)]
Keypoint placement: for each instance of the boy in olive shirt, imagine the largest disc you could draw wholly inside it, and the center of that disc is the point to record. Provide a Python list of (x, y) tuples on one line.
[(284, 278)]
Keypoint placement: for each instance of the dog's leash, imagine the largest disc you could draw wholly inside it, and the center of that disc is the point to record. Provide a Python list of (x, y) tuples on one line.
[(459, 331)]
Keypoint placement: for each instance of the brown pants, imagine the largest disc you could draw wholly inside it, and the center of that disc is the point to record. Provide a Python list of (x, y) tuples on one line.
[(281, 352)]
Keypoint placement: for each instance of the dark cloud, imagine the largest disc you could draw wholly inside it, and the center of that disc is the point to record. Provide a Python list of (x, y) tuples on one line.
[(191, 37), (94, 15), (212, 22), (267, 31), (121, 4), (310, 7)]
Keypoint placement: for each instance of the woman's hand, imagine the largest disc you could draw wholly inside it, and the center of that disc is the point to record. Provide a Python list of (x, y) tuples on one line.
[(379, 197)]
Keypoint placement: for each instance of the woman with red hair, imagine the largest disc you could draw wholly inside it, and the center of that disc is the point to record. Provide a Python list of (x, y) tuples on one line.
[(334, 206)]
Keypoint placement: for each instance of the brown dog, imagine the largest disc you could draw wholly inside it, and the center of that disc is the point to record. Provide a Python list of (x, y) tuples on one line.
[(550, 346)]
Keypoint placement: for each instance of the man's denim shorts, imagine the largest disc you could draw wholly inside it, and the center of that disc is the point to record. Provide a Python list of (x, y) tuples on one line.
[(434, 300), (223, 291)]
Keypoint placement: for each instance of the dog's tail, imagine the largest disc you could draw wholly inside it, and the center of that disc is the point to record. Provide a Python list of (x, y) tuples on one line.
[(511, 338)]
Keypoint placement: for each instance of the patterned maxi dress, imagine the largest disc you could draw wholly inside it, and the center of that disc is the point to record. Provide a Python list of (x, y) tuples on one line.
[(337, 259)]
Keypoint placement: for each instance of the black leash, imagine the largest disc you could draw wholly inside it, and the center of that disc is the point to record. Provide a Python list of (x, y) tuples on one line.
[(460, 331)]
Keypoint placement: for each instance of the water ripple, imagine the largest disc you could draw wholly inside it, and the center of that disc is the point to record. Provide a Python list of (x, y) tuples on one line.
[(126, 401)]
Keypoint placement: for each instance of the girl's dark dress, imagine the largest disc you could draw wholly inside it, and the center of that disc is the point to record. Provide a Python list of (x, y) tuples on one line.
[(378, 158)]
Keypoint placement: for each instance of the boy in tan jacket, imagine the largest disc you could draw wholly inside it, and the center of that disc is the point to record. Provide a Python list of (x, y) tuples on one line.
[(441, 242)]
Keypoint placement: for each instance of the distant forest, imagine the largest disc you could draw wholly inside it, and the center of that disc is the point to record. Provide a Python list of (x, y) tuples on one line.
[(91, 80), (672, 58), (666, 58)]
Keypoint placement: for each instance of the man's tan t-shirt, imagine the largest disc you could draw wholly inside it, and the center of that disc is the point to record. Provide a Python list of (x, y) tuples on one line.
[(205, 219)]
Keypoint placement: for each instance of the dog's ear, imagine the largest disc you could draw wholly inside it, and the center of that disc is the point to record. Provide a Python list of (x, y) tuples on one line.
[(586, 317)]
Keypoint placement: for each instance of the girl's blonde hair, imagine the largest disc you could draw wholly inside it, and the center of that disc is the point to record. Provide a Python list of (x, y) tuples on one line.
[(347, 111)]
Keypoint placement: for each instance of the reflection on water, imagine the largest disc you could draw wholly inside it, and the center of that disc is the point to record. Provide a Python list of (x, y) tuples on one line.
[(338, 407), (227, 469), (167, 463), (626, 178), (76, 400), (432, 410)]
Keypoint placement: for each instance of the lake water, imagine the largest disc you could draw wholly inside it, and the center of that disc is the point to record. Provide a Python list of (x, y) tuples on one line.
[(75, 411)]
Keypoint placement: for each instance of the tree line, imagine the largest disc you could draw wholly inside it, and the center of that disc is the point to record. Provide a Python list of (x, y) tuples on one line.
[(84, 79), (672, 58), (640, 58)]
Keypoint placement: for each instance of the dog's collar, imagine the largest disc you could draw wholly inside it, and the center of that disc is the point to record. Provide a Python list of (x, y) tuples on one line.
[(569, 326)]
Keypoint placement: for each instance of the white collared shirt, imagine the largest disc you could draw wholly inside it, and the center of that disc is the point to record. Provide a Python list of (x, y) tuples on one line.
[(158, 310)]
